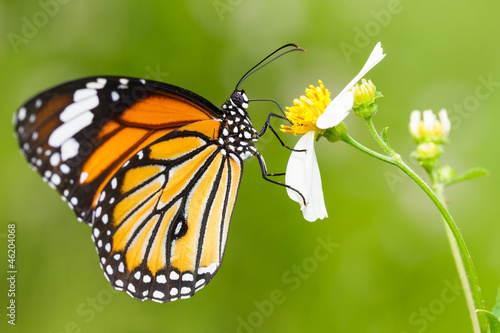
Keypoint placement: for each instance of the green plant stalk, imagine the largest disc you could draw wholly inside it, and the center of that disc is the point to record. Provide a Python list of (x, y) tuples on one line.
[(438, 189), (459, 249)]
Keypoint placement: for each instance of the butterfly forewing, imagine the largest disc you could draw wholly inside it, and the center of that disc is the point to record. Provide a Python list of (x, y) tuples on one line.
[(77, 135), (161, 222)]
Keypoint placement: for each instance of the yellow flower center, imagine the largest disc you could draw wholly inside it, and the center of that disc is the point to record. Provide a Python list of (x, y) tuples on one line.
[(307, 109), (436, 133)]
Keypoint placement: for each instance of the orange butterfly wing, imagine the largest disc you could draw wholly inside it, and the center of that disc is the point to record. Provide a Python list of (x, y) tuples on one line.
[(77, 135), (161, 222)]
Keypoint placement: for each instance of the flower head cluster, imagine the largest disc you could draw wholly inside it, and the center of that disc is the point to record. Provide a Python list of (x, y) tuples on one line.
[(430, 134), (430, 129), (312, 115)]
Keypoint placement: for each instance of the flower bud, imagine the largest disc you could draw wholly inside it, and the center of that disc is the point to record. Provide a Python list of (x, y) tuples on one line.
[(365, 95), (427, 154)]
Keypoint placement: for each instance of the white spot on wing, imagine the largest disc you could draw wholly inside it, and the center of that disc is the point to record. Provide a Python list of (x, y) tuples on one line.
[(67, 130), (177, 230), (115, 96), (158, 294), (77, 108), (21, 114), (83, 177), (187, 277), (64, 169), (98, 84), (82, 94), (209, 269), (55, 179), (55, 159)]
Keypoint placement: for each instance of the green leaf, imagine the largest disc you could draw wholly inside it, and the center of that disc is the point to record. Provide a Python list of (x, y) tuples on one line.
[(496, 308), (384, 135), (494, 321), (469, 174)]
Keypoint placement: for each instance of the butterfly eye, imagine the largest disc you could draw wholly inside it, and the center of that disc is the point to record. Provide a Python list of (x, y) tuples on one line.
[(237, 98)]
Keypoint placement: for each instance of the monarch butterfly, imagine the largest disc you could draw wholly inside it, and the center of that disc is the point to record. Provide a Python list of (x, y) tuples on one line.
[(153, 168)]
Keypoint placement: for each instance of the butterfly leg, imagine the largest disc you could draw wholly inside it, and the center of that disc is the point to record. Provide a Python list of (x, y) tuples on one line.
[(268, 121), (266, 174), (268, 125)]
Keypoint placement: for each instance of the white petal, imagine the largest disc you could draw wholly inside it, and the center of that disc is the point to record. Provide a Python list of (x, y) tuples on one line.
[(429, 120), (375, 57), (336, 111), (414, 122), (443, 117), (296, 168), (302, 173)]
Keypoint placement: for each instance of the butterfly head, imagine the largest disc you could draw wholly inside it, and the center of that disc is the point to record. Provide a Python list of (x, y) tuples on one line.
[(237, 103), (239, 99)]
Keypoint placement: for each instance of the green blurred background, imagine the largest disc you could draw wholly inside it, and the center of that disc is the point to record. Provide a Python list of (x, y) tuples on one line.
[(390, 269)]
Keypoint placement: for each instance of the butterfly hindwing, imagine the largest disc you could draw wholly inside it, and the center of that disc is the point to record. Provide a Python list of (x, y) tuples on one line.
[(161, 222), (76, 135)]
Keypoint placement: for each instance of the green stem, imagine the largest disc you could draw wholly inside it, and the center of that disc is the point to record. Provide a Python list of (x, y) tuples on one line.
[(348, 139), (460, 264), (463, 259)]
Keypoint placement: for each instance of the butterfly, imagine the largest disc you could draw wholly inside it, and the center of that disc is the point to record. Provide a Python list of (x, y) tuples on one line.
[(153, 168)]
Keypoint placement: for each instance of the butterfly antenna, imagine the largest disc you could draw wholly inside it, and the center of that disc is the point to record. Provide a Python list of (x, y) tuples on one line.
[(263, 62)]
